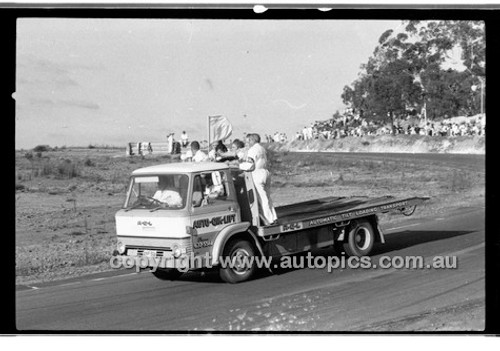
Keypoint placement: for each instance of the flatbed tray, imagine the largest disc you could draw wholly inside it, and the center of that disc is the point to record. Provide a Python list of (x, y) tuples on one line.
[(327, 210)]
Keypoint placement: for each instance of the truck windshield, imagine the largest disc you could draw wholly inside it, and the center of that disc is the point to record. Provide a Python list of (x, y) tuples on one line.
[(161, 192)]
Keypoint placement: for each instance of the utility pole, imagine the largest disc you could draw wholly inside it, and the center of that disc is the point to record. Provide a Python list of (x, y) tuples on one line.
[(425, 116), (482, 94)]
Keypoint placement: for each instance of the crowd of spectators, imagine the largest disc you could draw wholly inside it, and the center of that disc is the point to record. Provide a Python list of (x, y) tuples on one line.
[(277, 137), (355, 126)]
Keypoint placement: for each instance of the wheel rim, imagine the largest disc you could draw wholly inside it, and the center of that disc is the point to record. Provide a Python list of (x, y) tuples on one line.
[(362, 238), (240, 260)]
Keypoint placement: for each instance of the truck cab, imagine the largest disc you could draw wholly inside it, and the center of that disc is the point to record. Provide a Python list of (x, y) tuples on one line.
[(180, 210)]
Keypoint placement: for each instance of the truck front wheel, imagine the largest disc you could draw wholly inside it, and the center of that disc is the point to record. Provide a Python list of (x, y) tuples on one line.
[(241, 266), (167, 273), (360, 239)]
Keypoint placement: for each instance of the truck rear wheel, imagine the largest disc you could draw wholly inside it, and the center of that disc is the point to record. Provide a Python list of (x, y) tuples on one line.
[(167, 273), (360, 239), (241, 266)]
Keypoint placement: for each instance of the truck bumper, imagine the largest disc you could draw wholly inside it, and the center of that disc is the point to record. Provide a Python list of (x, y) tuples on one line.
[(141, 262)]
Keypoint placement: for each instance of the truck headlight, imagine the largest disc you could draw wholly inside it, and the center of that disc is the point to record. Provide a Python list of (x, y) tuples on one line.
[(176, 252), (120, 247)]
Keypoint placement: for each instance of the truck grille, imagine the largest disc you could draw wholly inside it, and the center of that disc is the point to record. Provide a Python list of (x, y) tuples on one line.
[(159, 251)]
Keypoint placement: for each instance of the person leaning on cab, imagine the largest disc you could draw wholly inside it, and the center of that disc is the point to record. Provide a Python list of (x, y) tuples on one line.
[(198, 155), (216, 149), (235, 155)]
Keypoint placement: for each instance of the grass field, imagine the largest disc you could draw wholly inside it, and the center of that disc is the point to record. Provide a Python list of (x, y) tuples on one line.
[(66, 198)]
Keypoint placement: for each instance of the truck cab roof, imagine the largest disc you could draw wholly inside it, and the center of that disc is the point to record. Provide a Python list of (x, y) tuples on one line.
[(182, 167)]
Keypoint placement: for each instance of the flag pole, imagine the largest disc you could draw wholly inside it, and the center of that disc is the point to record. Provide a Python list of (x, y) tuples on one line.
[(208, 132)]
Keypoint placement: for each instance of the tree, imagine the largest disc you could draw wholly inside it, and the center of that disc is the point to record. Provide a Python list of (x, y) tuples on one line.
[(407, 70)]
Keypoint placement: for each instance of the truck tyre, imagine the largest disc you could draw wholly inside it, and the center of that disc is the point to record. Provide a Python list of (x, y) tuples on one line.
[(167, 273), (238, 252), (360, 239)]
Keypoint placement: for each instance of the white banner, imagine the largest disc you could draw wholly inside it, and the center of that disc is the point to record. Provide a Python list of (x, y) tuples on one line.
[(220, 128)]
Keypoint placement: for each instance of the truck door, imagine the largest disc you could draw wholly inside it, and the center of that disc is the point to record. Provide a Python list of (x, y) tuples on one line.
[(213, 207)]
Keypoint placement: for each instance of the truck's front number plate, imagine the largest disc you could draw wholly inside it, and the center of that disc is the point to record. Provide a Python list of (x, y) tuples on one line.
[(149, 253), (132, 252)]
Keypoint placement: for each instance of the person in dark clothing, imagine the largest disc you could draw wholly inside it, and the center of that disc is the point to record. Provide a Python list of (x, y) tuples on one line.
[(220, 147)]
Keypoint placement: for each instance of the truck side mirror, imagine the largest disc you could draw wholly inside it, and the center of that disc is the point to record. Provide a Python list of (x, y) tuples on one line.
[(197, 198)]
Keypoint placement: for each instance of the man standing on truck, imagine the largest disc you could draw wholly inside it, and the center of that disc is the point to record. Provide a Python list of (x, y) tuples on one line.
[(256, 162), (198, 155)]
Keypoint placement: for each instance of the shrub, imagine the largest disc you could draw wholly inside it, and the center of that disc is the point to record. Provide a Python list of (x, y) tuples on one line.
[(68, 169), (29, 156), (41, 148), (88, 162), (47, 168)]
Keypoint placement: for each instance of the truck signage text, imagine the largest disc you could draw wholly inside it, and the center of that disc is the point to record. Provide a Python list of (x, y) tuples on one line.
[(214, 221)]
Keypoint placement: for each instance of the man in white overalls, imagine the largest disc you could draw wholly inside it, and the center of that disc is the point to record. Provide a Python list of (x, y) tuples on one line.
[(257, 163)]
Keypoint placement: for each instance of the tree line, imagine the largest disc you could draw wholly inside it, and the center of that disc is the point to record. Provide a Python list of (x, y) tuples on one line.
[(409, 72)]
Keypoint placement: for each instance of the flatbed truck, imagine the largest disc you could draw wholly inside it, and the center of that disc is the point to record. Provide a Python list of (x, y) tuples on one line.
[(225, 223)]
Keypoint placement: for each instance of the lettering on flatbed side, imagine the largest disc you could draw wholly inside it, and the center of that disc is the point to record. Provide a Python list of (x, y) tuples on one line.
[(291, 226), (214, 221), (363, 212), (323, 220), (395, 205)]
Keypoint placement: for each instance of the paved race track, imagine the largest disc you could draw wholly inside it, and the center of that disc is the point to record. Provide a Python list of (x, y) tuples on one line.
[(289, 300)]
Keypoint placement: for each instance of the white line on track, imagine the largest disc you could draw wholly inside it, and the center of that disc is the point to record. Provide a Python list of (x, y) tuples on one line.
[(82, 281), (97, 279), (113, 276), (69, 284), (33, 287)]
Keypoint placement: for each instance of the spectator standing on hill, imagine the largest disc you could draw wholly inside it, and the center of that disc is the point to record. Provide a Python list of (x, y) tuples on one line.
[(256, 162), (170, 142), (304, 133), (184, 139)]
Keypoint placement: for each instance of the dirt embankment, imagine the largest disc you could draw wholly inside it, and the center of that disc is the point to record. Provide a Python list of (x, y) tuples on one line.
[(390, 143)]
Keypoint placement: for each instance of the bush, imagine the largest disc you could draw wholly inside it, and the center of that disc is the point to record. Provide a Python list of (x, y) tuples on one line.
[(68, 169), (88, 162), (41, 148), (46, 169), (29, 156)]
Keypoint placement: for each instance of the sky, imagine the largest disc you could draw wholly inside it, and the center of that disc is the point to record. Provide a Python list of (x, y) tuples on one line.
[(99, 81)]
